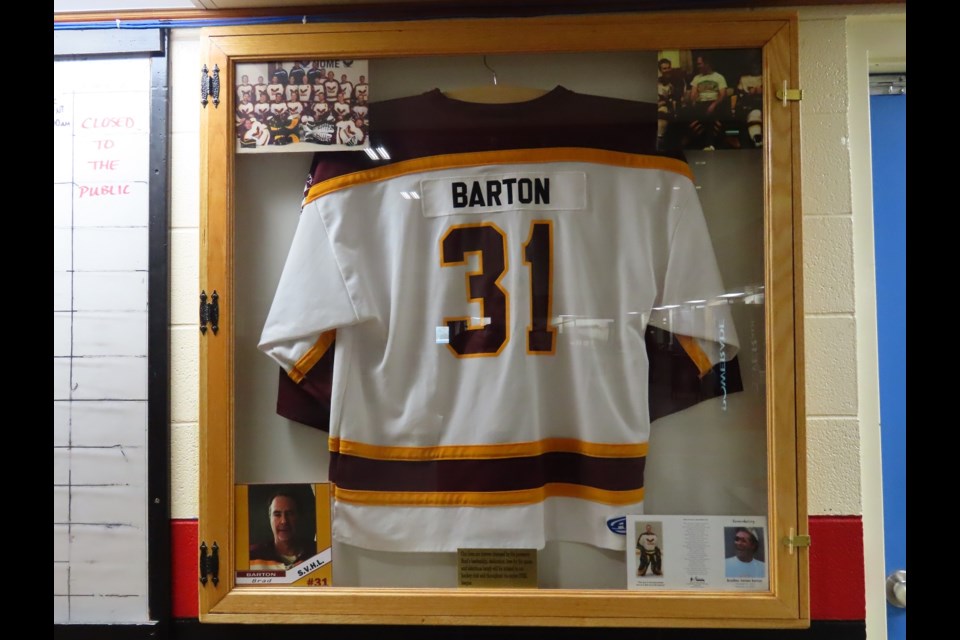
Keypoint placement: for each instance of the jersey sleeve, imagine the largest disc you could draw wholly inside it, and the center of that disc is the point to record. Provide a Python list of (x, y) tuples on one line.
[(313, 299), (689, 303), (308, 402), (675, 382)]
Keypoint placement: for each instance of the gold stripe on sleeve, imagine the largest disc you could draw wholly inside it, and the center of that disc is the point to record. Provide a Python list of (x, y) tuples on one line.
[(312, 357), (699, 357)]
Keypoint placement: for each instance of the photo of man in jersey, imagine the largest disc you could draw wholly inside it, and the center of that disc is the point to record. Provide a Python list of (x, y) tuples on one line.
[(303, 103), (649, 554), (671, 87), (746, 104), (282, 526), (720, 99)]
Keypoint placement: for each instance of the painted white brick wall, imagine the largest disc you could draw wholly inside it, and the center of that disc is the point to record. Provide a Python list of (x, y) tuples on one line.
[(184, 470), (830, 338), (184, 275), (827, 264), (834, 459), (831, 366), (184, 272)]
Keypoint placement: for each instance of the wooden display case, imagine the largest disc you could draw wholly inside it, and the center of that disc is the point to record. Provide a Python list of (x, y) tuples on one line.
[(240, 257)]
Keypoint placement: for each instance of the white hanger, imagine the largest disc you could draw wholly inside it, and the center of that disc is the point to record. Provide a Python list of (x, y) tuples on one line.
[(495, 93)]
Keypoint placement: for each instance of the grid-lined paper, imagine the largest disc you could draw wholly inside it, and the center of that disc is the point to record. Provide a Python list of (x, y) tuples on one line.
[(101, 144)]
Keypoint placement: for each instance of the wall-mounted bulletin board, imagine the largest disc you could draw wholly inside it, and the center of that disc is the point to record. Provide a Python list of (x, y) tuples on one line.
[(111, 353)]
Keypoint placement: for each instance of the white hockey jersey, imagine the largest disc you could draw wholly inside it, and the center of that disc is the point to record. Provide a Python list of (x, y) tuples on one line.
[(489, 308)]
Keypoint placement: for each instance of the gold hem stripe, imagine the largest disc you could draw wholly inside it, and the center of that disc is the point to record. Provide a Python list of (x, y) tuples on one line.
[(488, 451), (487, 498)]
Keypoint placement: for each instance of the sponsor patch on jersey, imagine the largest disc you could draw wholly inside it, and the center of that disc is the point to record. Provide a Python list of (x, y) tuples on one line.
[(618, 525), (495, 193)]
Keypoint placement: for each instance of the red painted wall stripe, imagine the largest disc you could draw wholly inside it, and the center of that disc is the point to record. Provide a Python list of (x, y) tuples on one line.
[(836, 568), (185, 575)]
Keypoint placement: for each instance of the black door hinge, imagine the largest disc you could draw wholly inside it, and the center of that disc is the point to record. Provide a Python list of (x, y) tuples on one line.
[(209, 312), (209, 564), (210, 86)]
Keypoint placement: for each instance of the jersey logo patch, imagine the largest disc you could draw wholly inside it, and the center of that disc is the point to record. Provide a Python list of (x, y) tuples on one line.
[(618, 525), (495, 193)]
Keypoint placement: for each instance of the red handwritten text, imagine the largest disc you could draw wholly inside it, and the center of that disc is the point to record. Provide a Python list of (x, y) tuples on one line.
[(107, 123), (103, 165), (104, 190)]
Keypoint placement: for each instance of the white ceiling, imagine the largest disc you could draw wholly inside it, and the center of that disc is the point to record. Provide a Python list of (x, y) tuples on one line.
[(65, 6), (251, 4)]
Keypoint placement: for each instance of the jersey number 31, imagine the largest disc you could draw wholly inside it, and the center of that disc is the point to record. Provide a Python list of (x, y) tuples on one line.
[(487, 335)]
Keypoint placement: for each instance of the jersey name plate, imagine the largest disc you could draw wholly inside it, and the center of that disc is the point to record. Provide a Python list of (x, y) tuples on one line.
[(497, 193)]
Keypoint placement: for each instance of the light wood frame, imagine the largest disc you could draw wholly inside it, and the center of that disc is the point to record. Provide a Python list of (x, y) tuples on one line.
[(787, 603)]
